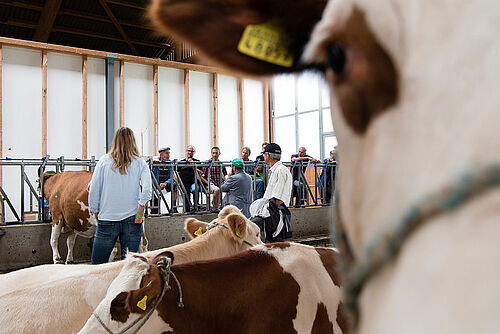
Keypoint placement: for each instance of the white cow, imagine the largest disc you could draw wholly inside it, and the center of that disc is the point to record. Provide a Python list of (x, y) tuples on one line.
[(59, 299), (415, 110)]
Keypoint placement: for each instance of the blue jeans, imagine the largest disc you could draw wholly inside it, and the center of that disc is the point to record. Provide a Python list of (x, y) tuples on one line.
[(259, 188), (107, 233)]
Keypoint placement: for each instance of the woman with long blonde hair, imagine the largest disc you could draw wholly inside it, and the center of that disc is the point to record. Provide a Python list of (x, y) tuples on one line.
[(119, 191)]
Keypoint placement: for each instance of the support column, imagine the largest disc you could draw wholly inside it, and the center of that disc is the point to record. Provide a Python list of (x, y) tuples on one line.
[(110, 100)]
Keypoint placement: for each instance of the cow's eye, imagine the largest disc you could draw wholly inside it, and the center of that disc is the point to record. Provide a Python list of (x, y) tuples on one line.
[(336, 58)]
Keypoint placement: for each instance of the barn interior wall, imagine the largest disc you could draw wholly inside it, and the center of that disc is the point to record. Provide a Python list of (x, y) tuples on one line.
[(22, 111), (228, 129)]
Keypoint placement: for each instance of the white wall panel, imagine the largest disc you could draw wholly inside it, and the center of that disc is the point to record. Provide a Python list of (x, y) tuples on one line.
[(200, 109), (21, 116), (284, 136), (228, 129), (139, 105), (309, 133), (96, 107), (254, 115), (64, 105), (171, 111), (284, 94), (116, 94)]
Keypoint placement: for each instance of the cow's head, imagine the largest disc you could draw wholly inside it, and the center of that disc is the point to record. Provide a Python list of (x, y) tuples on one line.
[(45, 175), (236, 224)]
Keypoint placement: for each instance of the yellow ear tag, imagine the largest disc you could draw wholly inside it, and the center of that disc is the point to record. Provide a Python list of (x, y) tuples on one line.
[(266, 42), (142, 303), (199, 231)]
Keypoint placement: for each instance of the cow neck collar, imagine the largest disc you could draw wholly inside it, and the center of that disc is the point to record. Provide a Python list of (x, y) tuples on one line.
[(388, 242), (214, 224)]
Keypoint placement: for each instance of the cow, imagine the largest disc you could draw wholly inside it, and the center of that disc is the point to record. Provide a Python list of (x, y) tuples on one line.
[(279, 287), (68, 197), (415, 112), (58, 299)]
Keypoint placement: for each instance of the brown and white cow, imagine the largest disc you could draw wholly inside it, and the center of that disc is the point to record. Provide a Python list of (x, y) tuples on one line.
[(58, 299), (273, 288), (415, 108), (68, 197)]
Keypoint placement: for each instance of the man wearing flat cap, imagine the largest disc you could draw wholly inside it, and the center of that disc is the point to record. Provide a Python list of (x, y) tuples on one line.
[(271, 213), (162, 175), (238, 185)]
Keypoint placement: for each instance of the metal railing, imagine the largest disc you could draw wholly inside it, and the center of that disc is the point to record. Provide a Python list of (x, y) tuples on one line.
[(30, 201)]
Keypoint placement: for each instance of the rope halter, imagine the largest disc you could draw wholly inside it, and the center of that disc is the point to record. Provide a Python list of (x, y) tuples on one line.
[(215, 224), (164, 267)]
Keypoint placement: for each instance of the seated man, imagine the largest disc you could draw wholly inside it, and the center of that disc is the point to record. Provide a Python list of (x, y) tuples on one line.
[(239, 187), (187, 176), (259, 173), (299, 164), (217, 176), (162, 175)]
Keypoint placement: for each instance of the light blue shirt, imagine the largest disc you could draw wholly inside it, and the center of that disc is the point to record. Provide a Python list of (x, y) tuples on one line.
[(115, 196)]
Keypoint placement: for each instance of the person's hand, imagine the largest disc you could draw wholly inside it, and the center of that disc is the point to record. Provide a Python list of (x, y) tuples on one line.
[(163, 185), (138, 220)]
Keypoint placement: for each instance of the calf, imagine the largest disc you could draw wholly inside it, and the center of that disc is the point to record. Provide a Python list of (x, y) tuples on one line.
[(68, 197), (415, 111), (280, 288), (59, 299)]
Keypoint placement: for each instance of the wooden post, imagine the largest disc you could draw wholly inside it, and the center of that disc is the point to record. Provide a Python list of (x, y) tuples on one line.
[(265, 93), (122, 93), (84, 108), (242, 112), (1, 119), (155, 108), (186, 107), (215, 95), (44, 103)]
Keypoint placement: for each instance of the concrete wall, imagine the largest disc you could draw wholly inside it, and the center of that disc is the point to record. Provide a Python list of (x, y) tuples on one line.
[(28, 245)]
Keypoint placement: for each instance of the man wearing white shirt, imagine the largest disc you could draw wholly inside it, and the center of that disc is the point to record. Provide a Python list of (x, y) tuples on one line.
[(271, 213)]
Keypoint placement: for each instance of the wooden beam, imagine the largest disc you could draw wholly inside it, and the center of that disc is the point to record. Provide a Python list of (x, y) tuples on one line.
[(155, 108), (1, 117), (119, 56), (126, 4), (84, 108), (270, 113), (46, 22), (100, 18), (215, 96), (20, 4), (122, 93), (186, 107), (44, 103), (118, 26), (242, 113), (265, 93)]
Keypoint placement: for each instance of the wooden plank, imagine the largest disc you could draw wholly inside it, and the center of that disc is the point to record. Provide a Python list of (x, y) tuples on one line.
[(118, 26), (241, 113), (267, 115), (44, 103), (84, 108), (1, 117), (46, 22), (155, 108), (119, 56), (186, 107), (122, 93), (215, 96)]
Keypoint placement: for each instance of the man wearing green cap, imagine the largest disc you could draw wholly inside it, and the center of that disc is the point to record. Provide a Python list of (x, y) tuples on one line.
[(238, 186)]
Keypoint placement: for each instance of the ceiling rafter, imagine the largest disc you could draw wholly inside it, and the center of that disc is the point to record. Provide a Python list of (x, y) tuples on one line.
[(118, 27), (46, 21)]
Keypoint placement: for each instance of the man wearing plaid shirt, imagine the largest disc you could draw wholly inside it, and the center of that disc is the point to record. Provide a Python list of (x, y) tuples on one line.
[(217, 176)]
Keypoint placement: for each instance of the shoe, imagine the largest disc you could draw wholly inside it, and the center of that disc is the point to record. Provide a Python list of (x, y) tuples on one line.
[(215, 211), (174, 210)]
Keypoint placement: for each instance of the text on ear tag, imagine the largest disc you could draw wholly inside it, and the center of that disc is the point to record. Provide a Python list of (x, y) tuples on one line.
[(266, 42)]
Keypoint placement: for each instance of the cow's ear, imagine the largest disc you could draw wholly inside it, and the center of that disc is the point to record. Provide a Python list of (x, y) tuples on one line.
[(215, 28), (238, 224), (195, 227), (227, 210), (140, 300)]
